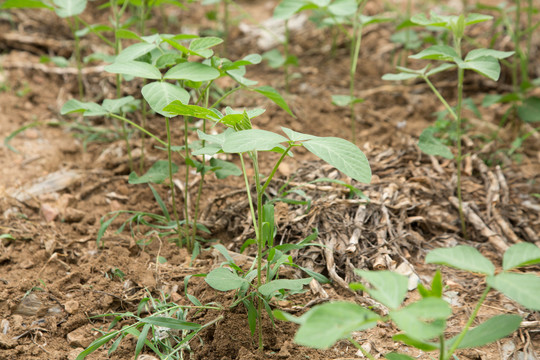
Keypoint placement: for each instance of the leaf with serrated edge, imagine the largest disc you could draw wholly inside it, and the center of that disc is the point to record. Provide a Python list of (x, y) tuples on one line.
[(461, 257), (343, 155)]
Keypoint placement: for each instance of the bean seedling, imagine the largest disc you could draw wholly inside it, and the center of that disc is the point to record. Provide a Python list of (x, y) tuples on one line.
[(425, 319), (483, 61), (242, 139)]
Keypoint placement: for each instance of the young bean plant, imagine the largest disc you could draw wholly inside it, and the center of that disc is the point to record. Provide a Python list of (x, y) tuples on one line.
[(242, 139), (423, 322), (483, 61)]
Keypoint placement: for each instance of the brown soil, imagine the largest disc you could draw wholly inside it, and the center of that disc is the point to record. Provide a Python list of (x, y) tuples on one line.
[(54, 279)]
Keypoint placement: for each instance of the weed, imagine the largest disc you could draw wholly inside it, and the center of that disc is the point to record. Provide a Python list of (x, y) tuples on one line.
[(425, 319), (166, 331)]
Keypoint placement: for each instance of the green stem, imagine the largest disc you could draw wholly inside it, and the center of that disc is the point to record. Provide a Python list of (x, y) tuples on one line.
[(441, 347), (186, 190), (74, 26), (441, 98), (356, 41), (276, 166), (171, 183), (97, 33), (463, 333), (250, 198), (286, 55), (459, 157), (139, 127), (359, 347), (215, 104), (225, 25)]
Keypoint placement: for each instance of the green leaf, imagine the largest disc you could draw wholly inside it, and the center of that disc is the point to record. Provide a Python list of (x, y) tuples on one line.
[(178, 108), (389, 288), (345, 100), (193, 71), (204, 43), (251, 140), (273, 95), (521, 254), (127, 34), (270, 288), (115, 106), (422, 345), (523, 288), (141, 340), (461, 257), (134, 68), (17, 4), (343, 155), (87, 108), (296, 136), (158, 173), (343, 7), (223, 279), (429, 144), (438, 52), (275, 58), (479, 53), (69, 8), (474, 18), (287, 8), (170, 323), (487, 66), (135, 51), (424, 319), (325, 324), (529, 111), (399, 76), (225, 168), (396, 356), (489, 331), (440, 68), (160, 94)]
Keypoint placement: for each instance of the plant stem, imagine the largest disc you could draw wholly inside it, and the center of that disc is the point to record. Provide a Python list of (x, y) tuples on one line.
[(186, 190), (74, 26), (286, 55), (469, 323), (356, 41), (171, 183), (250, 198), (359, 347), (459, 150), (140, 128), (459, 157)]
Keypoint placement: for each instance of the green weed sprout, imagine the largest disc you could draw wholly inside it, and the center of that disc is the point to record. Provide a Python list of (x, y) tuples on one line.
[(240, 138), (66, 9), (425, 320), (483, 61), (166, 331)]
